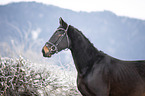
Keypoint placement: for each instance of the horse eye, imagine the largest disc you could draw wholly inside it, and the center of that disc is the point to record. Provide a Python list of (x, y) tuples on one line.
[(53, 48)]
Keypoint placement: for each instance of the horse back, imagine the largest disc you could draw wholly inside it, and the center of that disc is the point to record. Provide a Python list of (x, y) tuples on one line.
[(140, 67)]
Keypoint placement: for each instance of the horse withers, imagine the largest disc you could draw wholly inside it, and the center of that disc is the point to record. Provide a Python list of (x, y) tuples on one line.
[(98, 73)]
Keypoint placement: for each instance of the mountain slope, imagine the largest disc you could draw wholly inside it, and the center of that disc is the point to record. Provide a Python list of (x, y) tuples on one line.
[(30, 25)]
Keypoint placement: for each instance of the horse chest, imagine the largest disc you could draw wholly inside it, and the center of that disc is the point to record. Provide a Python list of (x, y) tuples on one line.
[(83, 86), (92, 84)]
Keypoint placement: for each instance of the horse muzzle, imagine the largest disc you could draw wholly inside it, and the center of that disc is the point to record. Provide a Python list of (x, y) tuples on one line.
[(46, 54)]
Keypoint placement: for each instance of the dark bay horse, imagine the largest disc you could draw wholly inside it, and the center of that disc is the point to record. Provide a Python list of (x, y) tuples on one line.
[(98, 73)]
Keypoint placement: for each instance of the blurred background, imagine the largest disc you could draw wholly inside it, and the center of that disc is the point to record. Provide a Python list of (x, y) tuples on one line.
[(26, 26)]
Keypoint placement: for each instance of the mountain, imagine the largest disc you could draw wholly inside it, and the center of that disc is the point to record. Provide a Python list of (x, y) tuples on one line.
[(28, 25)]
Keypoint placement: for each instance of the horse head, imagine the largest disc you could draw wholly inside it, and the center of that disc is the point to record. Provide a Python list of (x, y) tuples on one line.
[(58, 41)]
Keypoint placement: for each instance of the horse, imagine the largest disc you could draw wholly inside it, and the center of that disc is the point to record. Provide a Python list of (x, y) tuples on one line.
[(98, 73)]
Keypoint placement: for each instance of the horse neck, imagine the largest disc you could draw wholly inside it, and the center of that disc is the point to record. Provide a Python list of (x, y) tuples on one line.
[(83, 52)]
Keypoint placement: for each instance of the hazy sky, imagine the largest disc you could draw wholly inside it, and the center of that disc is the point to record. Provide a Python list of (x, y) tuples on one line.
[(130, 8)]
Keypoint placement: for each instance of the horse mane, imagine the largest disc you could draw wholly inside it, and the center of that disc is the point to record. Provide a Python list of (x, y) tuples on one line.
[(92, 53), (79, 32)]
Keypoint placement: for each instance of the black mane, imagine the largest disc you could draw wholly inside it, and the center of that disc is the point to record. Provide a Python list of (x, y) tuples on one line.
[(86, 53)]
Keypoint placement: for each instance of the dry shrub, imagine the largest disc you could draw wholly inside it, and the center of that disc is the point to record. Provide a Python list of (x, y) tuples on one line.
[(19, 77)]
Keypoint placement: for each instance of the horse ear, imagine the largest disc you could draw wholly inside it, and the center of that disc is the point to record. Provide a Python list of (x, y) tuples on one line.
[(62, 23), (60, 20)]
